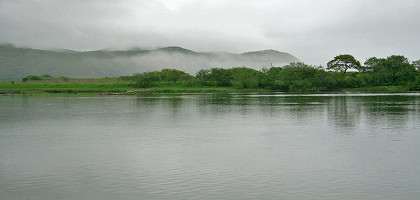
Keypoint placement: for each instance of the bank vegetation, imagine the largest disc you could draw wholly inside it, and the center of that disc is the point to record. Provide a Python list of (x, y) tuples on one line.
[(344, 72)]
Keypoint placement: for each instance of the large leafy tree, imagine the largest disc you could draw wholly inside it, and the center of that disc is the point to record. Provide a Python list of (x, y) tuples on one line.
[(299, 77), (222, 77), (243, 77), (203, 76), (147, 79), (393, 70), (343, 62), (373, 64), (174, 75), (400, 69)]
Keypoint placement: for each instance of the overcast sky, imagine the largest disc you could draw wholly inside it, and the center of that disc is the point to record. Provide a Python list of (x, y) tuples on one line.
[(313, 30)]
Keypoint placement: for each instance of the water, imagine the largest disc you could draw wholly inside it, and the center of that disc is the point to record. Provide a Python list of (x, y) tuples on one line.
[(210, 146)]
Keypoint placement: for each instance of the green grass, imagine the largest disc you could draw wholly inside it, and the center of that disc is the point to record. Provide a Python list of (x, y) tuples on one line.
[(116, 87), (66, 87), (120, 87)]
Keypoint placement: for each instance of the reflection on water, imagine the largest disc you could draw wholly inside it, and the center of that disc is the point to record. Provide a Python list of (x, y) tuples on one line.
[(210, 146)]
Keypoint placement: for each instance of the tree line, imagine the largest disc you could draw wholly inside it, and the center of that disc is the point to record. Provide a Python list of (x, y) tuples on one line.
[(344, 71)]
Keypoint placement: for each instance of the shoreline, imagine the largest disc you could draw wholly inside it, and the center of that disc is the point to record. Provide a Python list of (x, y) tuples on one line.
[(128, 88)]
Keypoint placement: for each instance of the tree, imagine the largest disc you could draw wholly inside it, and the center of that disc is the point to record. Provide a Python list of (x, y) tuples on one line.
[(393, 70), (343, 62), (375, 70), (246, 77), (222, 77), (46, 76), (372, 64), (203, 76), (146, 79), (174, 75), (32, 78), (299, 77), (401, 70), (271, 77)]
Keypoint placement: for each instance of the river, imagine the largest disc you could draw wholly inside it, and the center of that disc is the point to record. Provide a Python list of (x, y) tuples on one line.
[(210, 146)]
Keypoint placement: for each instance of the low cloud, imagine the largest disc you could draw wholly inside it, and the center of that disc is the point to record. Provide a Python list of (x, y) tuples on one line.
[(192, 63)]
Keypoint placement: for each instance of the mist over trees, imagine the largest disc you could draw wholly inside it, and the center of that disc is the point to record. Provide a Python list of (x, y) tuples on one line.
[(15, 62), (344, 71)]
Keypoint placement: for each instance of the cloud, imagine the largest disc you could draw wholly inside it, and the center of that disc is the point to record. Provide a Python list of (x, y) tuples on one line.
[(313, 30)]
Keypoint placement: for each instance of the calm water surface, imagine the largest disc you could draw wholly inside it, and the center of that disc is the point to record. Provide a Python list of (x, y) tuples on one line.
[(210, 146)]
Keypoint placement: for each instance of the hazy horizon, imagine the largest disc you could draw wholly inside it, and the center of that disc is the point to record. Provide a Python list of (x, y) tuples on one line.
[(19, 62), (133, 48), (313, 31)]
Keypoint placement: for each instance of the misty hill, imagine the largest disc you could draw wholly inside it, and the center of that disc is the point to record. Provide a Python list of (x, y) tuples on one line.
[(16, 63)]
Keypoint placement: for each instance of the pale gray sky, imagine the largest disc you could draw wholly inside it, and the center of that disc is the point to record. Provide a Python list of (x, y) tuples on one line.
[(313, 30)]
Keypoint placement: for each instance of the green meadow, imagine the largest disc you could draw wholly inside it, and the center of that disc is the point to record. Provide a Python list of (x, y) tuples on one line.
[(65, 87), (108, 87)]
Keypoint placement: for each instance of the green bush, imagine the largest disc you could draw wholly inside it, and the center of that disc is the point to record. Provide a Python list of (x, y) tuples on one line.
[(243, 77), (147, 79), (174, 75), (354, 81), (32, 78), (221, 77)]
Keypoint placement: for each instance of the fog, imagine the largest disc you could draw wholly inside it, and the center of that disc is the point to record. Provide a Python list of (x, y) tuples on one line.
[(193, 62), (15, 63)]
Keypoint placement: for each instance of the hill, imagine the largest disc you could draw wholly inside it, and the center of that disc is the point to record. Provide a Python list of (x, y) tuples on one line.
[(16, 63)]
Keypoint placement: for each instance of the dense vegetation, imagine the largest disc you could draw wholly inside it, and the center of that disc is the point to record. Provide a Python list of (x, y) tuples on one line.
[(394, 73), (343, 72)]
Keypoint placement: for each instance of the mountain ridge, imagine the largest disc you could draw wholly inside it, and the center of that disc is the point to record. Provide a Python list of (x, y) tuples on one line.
[(17, 62)]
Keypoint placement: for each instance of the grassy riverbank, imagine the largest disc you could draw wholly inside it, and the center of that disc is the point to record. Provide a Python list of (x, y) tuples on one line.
[(121, 87), (110, 87), (65, 87)]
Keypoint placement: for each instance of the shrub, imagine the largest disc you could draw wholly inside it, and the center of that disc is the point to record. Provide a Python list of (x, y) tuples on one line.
[(146, 79), (32, 78)]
